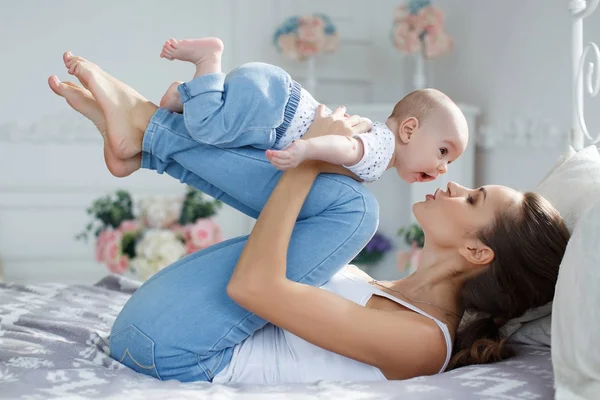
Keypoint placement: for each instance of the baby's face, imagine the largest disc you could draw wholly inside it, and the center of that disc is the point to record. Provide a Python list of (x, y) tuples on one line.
[(438, 141)]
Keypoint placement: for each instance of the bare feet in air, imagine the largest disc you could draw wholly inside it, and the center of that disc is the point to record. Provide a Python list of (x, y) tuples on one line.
[(81, 100), (127, 112), (291, 156), (172, 99), (205, 53)]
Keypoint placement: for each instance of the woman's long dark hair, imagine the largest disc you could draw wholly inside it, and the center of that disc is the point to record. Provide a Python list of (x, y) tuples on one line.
[(528, 245)]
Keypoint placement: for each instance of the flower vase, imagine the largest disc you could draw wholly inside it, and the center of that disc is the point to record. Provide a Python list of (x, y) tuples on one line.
[(311, 78), (419, 78)]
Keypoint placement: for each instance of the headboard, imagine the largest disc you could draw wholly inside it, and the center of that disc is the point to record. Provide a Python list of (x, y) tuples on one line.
[(583, 78)]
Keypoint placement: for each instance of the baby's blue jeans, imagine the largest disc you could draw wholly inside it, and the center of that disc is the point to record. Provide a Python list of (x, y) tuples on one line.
[(252, 105)]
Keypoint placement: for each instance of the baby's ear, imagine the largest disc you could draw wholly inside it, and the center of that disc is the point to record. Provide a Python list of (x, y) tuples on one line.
[(407, 128)]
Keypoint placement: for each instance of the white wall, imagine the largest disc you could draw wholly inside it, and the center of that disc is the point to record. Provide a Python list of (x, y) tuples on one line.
[(512, 60), (51, 157)]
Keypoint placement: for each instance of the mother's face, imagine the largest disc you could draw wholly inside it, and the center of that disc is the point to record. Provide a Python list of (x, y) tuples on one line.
[(451, 218)]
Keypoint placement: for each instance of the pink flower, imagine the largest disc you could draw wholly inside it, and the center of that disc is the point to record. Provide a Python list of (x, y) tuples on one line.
[(109, 249), (119, 265), (129, 226), (436, 45), (203, 233), (429, 16), (287, 44), (406, 39), (421, 32), (100, 244), (311, 29)]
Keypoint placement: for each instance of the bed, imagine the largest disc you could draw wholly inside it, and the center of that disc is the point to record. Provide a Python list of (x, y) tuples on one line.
[(53, 345), (54, 337)]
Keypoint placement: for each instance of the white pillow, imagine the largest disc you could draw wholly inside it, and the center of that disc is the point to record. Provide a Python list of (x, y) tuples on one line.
[(572, 185), (576, 313)]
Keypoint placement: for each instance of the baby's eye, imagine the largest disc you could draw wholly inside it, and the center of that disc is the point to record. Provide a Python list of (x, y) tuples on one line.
[(443, 151)]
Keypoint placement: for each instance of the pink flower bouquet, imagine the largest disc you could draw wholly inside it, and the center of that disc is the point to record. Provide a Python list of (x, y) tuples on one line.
[(419, 27), (302, 37), (163, 231)]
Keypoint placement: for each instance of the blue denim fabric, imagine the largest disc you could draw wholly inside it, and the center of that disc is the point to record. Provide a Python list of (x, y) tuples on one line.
[(252, 105), (181, 324)]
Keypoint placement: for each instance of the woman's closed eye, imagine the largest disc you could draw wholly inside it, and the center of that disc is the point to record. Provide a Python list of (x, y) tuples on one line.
[(470, 199)]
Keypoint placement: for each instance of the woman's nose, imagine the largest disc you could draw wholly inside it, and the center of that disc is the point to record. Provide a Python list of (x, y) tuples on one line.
[(454, 188)]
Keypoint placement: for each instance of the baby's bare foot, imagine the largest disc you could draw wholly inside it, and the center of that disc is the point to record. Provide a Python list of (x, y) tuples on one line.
[(127, 112), (290, 157), (205, 53), (82, 101), (172, 99)]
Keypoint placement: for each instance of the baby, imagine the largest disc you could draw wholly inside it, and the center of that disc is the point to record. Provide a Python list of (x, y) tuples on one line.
[(260, 105)]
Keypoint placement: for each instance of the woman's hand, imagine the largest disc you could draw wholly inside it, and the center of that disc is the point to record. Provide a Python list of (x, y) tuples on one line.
[(336, 124)]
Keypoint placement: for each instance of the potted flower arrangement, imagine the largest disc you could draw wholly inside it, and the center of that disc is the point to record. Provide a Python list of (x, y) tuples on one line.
[(302, 38), (160, 231), (414, 237), (418, 29), (374, 251)]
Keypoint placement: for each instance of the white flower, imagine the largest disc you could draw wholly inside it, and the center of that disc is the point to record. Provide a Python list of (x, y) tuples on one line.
[(157, 249), (160, 212)]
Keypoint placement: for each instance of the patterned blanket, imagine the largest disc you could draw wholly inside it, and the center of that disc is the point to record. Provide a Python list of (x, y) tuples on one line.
[(53, 345)]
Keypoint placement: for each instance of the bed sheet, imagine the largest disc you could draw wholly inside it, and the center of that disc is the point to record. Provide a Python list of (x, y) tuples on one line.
[(53, 345)]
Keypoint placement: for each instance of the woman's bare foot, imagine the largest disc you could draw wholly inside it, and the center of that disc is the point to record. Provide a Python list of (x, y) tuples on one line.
[(291, 156), (205, 53), (127, 112), (82, 101), (172, 99)]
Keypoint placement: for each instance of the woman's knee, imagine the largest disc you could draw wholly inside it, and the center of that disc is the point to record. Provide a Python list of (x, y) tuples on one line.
[(359, 207)]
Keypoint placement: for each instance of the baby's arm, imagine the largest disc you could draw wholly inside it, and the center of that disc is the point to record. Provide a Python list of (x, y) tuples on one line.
[(334, 149)]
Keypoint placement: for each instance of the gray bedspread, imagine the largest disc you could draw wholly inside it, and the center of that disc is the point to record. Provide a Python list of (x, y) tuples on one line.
[(53, 345)]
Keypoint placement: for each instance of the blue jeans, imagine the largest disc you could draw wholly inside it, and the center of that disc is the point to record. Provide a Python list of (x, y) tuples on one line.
[(180, 324), (252, 105)]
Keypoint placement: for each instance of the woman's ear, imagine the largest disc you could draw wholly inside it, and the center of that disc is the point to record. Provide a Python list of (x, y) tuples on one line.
[(407, 128), (477, 253)]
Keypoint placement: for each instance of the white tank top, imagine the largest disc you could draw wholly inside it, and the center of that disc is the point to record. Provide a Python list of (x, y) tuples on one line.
[(273, 355)]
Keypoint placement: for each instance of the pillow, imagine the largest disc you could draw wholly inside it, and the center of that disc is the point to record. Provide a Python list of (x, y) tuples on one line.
[(576, 313), (572, 186)]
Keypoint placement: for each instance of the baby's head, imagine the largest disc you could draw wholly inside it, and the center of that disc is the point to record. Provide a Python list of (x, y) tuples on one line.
[(431, 132)]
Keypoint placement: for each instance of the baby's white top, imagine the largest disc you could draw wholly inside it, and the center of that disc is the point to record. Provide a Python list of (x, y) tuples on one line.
[(378, 143)]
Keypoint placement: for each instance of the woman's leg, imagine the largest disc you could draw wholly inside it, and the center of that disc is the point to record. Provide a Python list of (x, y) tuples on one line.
[(241, 177), (182, 325)]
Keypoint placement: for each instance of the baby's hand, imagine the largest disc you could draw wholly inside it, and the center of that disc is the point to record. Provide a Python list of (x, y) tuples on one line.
[(290, 157)]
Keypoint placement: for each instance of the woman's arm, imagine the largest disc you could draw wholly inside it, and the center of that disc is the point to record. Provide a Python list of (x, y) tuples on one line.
[(401, 344), (264, 256)]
